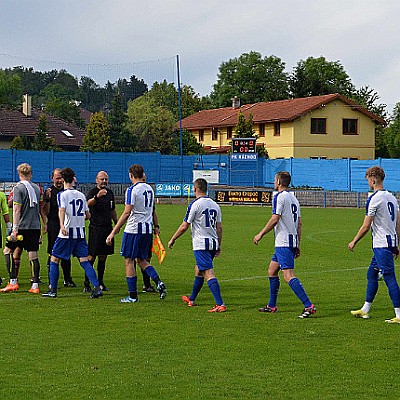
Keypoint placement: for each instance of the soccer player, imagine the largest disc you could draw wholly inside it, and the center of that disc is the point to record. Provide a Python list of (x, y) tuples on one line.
[(5, 213), (101, 204), (53, 223), (138, 233), (287, 225), (26, 222), (382, 217), (73, 211), (204, 217)]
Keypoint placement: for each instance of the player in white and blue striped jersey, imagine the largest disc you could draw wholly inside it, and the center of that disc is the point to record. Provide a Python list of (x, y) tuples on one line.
[(138, 233), (204, 217), (71, 240), (286, 222), (383, 218)]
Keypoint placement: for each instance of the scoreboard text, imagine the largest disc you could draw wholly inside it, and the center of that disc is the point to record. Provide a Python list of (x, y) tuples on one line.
[(244, 196), (246, 145)]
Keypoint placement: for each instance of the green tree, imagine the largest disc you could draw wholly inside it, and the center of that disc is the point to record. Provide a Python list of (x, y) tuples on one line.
[(244, 127), (190, 146), (165, 95), (97, 134), (42, 142), (392, 134), (369, 99), (317, 76), (252, 78), (120, 138), (10, 89), (67, 110), (21, 143), (151, 126)]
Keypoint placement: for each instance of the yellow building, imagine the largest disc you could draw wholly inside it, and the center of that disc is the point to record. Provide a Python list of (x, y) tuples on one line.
[(329, 126)]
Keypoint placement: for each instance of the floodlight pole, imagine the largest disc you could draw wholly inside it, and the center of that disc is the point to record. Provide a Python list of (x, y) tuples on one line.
[(180, 115)]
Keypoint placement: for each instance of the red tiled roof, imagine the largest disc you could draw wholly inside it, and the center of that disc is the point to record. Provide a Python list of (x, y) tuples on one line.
[(14, 123), (272, 111)]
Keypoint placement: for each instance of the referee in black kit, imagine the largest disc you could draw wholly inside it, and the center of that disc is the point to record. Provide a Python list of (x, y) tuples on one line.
[(101, 204)]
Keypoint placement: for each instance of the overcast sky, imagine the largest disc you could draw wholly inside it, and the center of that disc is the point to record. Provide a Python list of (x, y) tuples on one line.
[(83, 35)]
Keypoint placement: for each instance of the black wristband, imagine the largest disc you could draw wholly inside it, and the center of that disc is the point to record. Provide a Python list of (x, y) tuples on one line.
[(157, 226)]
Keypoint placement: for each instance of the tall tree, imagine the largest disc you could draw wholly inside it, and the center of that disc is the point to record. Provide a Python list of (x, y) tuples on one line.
[(369, 98), (392, 134), (120, 138), (10, 89), (252, 78), (166, 95), (97, 134), (42, 142), (317, 76), (151, 126)]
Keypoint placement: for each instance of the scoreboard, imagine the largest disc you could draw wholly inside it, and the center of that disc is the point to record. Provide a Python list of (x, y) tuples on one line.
[(244, 145), (244, 196)]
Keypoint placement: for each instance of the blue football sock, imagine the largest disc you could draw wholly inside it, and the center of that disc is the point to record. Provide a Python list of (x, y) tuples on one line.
[(274, 284), (372, 284), (393, 288), (90, 273), (197, 285), (131, 281), (215, 290), (54, 275), (299, 291), (152, 273)]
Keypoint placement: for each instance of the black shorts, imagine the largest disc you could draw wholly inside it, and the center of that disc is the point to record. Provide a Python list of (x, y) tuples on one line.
[(31, 239), (97, 241), (52, 233)]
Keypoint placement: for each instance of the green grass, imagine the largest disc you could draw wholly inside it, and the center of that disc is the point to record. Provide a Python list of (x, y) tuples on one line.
[(74, 348)]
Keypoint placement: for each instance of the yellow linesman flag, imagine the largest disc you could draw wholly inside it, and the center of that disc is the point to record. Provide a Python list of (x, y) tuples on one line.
[(158, 249)]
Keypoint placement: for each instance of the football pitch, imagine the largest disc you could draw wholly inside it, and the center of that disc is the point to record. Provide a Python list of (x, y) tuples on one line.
[(74, 347)]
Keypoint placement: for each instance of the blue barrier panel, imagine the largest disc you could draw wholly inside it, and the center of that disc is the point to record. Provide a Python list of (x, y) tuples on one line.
[(342, 175)]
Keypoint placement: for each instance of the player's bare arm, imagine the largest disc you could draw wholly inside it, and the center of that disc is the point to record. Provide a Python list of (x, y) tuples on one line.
[(61, 214), (365, 227), (267, 228), (179, 232), (121, 222)]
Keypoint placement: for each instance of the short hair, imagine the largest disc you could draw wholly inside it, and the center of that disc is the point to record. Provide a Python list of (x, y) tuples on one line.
[(24, 169), (68, 174), (137, 171), (55, 170), (201, 184), (284, 177), (375, 172)]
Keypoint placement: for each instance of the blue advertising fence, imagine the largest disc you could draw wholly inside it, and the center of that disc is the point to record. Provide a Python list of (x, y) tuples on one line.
[(341, 174)]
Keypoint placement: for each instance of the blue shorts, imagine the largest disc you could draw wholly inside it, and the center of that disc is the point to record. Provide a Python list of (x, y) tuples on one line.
[(284, 256), (383, 260), (64, 248), (204, 259), (136, 245)]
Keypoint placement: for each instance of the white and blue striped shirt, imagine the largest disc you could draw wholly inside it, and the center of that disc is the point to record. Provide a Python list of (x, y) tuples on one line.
[(75, 205), (203, 214), (287, 206), (384, 207), (141, 197)]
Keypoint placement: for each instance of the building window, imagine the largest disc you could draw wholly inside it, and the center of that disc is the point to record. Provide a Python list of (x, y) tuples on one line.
[(214, 134), (350, 126), (318, 126), (229, 131), (201, 135), (261, 130), (277, 129)]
